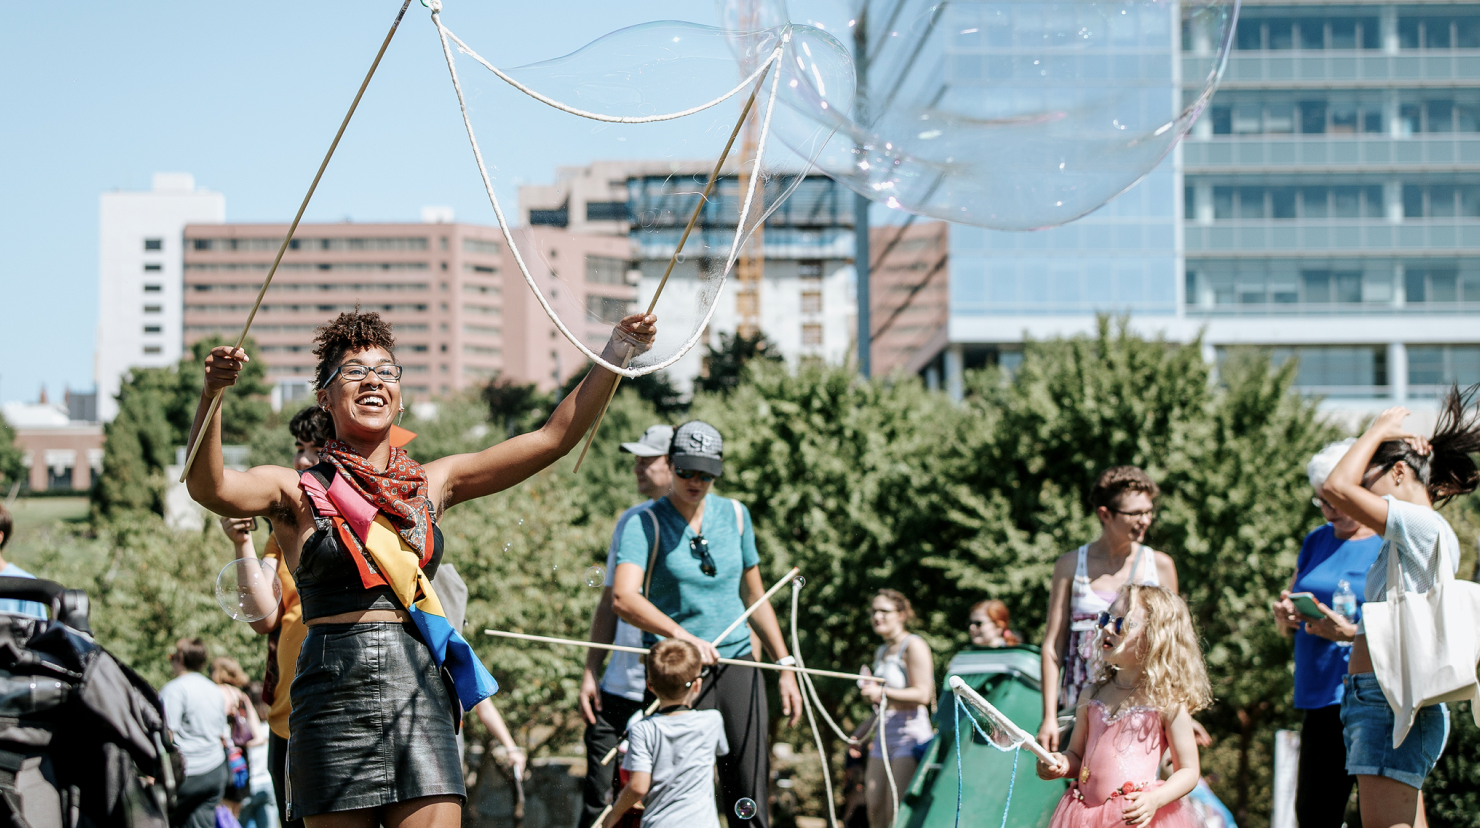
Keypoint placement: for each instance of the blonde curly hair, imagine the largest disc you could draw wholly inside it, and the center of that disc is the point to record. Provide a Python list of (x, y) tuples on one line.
[(1174, 673)]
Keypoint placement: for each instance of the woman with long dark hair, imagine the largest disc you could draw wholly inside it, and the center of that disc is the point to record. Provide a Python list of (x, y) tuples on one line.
[(381, 677), (1390, 481)]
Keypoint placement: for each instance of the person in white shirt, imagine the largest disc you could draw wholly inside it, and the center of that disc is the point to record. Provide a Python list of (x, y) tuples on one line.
[(197, 720), (10, 570), (1392, 481), (608, 705)]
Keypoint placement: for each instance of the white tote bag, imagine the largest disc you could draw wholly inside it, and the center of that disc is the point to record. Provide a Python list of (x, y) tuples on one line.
[(1424, 645)]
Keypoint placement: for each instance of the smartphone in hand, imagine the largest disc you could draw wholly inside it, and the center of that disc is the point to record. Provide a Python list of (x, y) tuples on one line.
[(1306, 604)]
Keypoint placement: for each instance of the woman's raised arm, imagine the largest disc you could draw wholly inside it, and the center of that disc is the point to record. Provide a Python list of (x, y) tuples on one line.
[(463, 477), (224, 491)]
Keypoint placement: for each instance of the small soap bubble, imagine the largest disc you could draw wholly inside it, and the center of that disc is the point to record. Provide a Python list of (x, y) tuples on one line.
[(745, 808), (521, 521), (800, 581), (595, 576), (248, 589)]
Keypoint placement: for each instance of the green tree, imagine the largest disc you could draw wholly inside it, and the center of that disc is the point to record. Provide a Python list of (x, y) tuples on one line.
[(723, 366), (137, 446), (518, 407), (156, 407), (11, 469)]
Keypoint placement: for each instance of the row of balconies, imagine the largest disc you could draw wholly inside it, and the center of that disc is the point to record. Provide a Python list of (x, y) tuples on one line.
[(1414, 237), (1341, 68)]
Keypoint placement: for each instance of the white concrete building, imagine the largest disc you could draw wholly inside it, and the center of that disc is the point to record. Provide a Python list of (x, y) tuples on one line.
[(140, 277)]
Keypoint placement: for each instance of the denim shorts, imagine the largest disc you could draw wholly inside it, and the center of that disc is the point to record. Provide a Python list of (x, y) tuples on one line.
[(1367, 726)]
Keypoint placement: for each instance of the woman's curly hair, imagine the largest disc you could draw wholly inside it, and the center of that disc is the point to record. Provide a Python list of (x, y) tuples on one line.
[(351, 331)]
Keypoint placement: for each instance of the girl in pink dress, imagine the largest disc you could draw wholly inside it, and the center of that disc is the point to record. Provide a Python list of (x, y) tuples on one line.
[(1149, 679)]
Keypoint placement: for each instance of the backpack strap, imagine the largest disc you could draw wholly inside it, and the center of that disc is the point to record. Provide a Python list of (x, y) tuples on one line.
[(647, 584)]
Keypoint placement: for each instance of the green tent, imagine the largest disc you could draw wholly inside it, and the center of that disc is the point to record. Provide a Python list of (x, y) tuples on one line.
[(1008, 678)]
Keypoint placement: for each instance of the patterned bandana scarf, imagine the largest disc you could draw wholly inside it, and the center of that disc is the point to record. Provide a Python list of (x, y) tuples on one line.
[(399, 492)]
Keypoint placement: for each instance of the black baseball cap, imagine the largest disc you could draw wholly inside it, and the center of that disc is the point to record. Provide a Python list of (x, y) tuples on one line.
[(697, 446)]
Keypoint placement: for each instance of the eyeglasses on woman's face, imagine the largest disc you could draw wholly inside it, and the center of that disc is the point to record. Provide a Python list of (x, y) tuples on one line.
[(389, 372), (690, 474), (884, 611), (699, 548)]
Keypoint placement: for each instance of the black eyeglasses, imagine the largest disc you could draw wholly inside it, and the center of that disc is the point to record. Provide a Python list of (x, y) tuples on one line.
[(1113, 623), (699, 548), (1147, 513), (690, 474), (355, 373)]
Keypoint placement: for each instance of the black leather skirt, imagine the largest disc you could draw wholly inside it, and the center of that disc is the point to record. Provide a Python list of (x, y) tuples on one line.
[(372, 723)]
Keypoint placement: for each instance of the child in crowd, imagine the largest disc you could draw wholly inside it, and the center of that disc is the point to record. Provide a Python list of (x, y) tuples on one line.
[(671, 753), (1149, 680)]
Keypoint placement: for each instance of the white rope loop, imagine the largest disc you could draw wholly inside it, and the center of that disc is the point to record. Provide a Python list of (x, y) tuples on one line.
[(618, 119), (443, 34)]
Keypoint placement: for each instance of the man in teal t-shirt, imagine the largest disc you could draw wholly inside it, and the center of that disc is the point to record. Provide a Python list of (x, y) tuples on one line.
[(687, 568)]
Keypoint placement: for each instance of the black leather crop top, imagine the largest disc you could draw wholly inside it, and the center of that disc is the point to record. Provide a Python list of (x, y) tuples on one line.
[(329, 583)]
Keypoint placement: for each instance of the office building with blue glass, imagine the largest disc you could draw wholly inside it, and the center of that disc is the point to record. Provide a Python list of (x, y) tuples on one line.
[(1325, 206)]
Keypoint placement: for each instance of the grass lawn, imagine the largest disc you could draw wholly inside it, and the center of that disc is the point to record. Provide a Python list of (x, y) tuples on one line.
[(34, 517)]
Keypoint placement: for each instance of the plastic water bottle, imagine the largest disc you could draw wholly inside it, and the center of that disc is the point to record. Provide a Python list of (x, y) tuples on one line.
[(1344, 603)]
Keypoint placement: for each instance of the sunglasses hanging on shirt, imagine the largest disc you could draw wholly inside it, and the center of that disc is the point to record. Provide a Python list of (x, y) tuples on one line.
[(699, 548)]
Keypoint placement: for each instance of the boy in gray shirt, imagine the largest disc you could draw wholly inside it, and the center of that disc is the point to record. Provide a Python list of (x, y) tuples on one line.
[(671, 753)]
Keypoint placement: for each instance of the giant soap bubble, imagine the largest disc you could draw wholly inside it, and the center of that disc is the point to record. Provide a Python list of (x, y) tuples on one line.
[(655, 105), (1013, 115), (248, 589)]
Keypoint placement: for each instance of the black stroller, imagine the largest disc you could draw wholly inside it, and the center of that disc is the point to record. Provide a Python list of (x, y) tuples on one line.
[(83, 741)]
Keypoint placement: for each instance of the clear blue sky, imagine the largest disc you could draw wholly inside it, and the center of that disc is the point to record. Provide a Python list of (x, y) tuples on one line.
[(246, 96)]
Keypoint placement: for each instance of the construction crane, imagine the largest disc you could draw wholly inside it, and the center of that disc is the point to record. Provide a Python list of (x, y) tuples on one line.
[(751, 266)]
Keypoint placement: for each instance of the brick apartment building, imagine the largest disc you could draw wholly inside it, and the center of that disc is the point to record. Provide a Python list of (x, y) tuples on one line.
[(909, 297), (461, 310)]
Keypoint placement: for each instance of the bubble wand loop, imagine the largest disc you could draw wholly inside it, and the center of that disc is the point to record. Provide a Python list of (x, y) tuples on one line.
[(672, 260), (283, 248), (1019, 736)]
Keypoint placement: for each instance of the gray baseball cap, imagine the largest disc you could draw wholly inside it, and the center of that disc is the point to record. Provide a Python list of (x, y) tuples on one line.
[(697, 446), (654, 442)]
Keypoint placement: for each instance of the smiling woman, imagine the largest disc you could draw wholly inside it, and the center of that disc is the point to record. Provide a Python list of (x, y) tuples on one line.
[(383, 678)]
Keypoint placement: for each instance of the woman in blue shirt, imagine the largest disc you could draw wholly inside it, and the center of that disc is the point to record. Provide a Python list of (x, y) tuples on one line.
[(1341, 550), (687, 567)]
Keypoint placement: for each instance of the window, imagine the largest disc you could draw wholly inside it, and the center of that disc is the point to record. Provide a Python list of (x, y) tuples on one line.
[(153, 288), (153, 309), (1431, 368), (481, 290), (153, 350), (480, 247), (482, 330), (604, 270), (811, 301), (153, 245), (606, 211), (809, 269), (481, 350), (1441, 201), (811, 334), (151, 329), (550, 218), (1189, 203), (605, 308), (1440, 283), (153, 268), (487, 270), (1338, 370)]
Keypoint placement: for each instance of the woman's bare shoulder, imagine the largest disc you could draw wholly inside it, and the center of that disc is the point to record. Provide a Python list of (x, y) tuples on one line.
[(1066, 564)]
